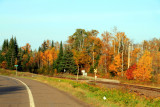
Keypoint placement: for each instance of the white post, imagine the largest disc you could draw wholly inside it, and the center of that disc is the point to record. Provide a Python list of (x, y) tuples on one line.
[(95, 71), (16, 70)]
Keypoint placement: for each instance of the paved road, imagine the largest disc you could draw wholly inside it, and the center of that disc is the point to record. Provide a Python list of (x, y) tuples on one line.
[(14, 94)]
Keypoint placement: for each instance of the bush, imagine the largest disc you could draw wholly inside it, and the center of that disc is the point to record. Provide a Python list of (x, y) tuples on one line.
[(129, 73)]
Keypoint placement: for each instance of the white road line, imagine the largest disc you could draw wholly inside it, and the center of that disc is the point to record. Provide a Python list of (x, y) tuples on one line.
[(31, 100)]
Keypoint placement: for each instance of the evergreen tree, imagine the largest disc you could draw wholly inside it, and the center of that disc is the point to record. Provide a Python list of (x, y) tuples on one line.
[(16, 47), (12, 51), (39, 49), (59, 59), (10, 56), (68, 63), (54, 65), (5, 46), (4, 51), (97, 61), (52, 45), (44, 46), (19, 58), (1, 57), (91, 69)]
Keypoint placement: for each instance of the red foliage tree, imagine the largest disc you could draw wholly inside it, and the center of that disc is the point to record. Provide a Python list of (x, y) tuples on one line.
[(129, 73)]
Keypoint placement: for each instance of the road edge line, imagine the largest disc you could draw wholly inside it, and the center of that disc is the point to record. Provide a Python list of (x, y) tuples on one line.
[(31, 100)]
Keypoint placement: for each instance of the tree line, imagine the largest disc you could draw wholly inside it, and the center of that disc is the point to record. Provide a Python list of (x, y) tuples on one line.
[(112, 54)]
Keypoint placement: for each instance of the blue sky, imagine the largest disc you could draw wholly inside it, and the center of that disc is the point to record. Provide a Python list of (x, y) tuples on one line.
[(33, 21)]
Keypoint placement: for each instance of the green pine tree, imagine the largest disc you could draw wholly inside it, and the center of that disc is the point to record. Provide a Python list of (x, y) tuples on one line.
[(68, 63), (19, 58), (2, 58), (97, 61), (12, 52), (10, 56), (16, 47), (52, 45), (54, 65), (5, 46), (59, 59)]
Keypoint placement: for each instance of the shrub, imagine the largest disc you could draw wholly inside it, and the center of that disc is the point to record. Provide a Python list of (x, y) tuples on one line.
[(129, 73)]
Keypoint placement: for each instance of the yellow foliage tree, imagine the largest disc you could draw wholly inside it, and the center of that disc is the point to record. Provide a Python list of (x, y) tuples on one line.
[(144, 67), (115, 67)]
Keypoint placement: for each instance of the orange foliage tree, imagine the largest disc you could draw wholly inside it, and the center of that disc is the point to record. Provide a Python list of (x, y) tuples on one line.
[(115, 67), (105, 58), (144, 67), (4, 64)]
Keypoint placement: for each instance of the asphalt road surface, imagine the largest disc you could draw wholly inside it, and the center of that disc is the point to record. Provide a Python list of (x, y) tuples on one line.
[(14, 93)]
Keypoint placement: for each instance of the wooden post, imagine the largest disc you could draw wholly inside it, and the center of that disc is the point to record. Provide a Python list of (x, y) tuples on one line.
[(77, 73), (95, 71)]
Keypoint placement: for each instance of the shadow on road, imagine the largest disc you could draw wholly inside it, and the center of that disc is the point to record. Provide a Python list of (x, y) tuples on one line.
[(10, 89)]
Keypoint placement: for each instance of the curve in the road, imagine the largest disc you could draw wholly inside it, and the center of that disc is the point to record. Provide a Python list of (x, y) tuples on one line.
[(31, 100)]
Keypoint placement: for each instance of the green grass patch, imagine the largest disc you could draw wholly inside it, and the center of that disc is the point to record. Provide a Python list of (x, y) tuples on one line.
[(92, 94)]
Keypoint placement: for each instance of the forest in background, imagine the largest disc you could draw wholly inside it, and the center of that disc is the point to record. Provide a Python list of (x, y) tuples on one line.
[(113, 54)]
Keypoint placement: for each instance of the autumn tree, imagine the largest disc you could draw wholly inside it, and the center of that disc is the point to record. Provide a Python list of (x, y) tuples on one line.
[(77, 40), (26, 51), (115, 67), (144, 67), (106, 56), (86, 46), (93, 46), (129, 73)]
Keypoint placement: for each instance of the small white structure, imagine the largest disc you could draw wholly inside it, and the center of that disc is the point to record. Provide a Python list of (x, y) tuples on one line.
[(84, 73), (95, 77), (104, 98), (64, 70)]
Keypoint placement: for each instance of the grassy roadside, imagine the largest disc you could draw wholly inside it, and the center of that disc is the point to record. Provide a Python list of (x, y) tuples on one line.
[(92, 94)]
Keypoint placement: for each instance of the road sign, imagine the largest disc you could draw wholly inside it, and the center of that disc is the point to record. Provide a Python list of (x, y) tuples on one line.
[(95, 70), (16, 68), (16, 65)]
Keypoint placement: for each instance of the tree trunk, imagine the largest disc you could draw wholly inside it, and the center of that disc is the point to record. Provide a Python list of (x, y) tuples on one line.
[(128, 55), (122, 56)]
